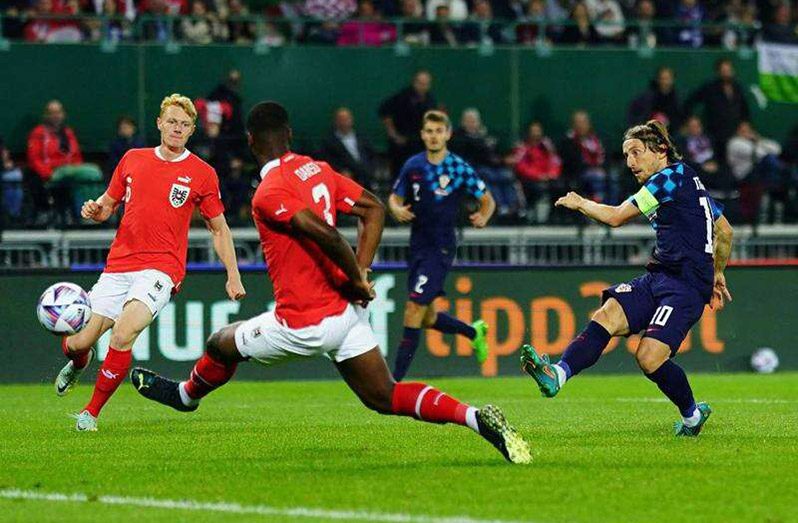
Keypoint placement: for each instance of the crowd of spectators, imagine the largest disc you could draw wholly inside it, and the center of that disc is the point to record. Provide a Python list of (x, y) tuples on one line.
[(647, 23), (753, 176)]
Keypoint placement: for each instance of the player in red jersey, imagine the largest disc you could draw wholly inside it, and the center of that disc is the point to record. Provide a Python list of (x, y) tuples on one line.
[(321, 289), (160, 188)]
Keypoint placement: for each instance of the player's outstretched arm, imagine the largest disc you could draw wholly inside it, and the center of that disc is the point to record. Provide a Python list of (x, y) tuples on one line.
[(487, 206), (612, 215), (225, 249), (371, 212), (307, 224), (99, 210), (722, 251), (400, 211)]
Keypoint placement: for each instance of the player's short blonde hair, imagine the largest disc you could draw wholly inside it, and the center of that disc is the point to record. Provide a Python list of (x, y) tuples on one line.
[(183, 102), (437, 117)]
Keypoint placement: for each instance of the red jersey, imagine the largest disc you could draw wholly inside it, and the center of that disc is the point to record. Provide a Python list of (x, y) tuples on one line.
[(159, 197), (306, 282), (45, 153)]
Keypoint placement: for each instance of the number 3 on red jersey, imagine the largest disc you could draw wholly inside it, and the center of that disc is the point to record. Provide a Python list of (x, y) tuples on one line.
[(320, 193)]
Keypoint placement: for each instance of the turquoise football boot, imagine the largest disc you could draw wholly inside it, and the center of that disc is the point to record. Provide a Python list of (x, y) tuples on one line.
[(540, 368), (680, 429)]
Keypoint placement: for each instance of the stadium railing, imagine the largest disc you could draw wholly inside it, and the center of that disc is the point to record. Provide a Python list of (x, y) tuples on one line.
[(492, 247), (266, 31)]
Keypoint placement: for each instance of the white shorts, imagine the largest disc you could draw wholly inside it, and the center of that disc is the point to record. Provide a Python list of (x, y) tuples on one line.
[(268, 341), (114, 289)]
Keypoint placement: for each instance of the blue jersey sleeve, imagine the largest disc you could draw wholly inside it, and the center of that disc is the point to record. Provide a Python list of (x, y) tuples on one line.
[(474, 185), (400, 185)]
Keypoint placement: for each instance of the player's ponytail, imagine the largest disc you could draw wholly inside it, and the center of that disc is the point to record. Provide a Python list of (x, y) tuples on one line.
[(655, 137)]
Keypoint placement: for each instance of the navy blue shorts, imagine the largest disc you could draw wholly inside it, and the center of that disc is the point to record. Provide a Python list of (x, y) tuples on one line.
[(663, 306), (426, 275)]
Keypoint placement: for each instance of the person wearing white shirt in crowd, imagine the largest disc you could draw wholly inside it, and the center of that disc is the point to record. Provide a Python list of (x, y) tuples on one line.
[(458, 9), (607, 17), (753, 160)]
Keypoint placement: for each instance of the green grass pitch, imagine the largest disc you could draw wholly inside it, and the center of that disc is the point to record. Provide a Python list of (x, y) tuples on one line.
[(604, 452)]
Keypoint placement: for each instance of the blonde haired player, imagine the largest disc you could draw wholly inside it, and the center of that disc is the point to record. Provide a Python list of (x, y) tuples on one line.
[(160, 188)]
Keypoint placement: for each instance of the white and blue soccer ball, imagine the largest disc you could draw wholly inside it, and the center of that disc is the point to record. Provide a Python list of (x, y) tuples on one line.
[(764, 360), (64, 308)]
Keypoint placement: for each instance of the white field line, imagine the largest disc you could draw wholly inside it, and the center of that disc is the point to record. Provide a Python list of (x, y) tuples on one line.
[(713, 401), (236, 508), (764, 401)]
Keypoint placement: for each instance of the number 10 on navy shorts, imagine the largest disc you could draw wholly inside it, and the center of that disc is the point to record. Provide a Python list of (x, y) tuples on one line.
[(663, 306)]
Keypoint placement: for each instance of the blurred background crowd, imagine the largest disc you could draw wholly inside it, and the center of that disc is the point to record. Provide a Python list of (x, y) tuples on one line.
[(754, 176), (686, 23)]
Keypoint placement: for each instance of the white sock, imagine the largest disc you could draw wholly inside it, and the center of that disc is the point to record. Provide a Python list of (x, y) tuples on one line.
[(561, 378), (693, 420), (187, 400), (471, 419)]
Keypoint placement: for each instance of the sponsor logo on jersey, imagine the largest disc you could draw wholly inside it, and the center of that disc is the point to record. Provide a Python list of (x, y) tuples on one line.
[(307, 171), (281, 210), (256, 332), (178, 195), (624, 287), (184, 179), (158, 285)]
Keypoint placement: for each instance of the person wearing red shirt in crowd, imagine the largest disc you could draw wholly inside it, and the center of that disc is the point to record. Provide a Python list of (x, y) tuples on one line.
[(160, 189), (583, 158), (537, 166), (321, 288), (43, 28), (52, 144)]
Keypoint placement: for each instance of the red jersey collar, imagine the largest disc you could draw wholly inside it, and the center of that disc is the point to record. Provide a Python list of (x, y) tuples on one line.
[(180, 158), (287, 157)]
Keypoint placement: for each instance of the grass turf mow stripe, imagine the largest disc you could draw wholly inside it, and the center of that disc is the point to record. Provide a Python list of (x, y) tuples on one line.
[(236, 508)]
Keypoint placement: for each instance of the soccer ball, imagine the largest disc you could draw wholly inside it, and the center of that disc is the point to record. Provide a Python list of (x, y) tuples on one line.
[(764, 360), (64, 308)]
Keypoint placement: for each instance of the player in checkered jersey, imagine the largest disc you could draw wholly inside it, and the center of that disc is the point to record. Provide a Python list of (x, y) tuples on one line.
[(160, 188), (685, 273), (321, 290), (428, 194)]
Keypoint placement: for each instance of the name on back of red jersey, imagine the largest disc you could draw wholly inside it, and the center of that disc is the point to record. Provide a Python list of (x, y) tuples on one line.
[(308, 171)]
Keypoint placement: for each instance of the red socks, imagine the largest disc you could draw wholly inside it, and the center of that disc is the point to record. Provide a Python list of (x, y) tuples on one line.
[(426, 403), (208, 375), (79, 359), (111, 374)]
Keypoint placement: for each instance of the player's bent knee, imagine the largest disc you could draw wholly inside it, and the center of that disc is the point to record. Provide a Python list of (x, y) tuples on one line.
[(212, 343), (650, 357), (122, 338), (611, 317), (429, 320), (415, 314), (221, 345)]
